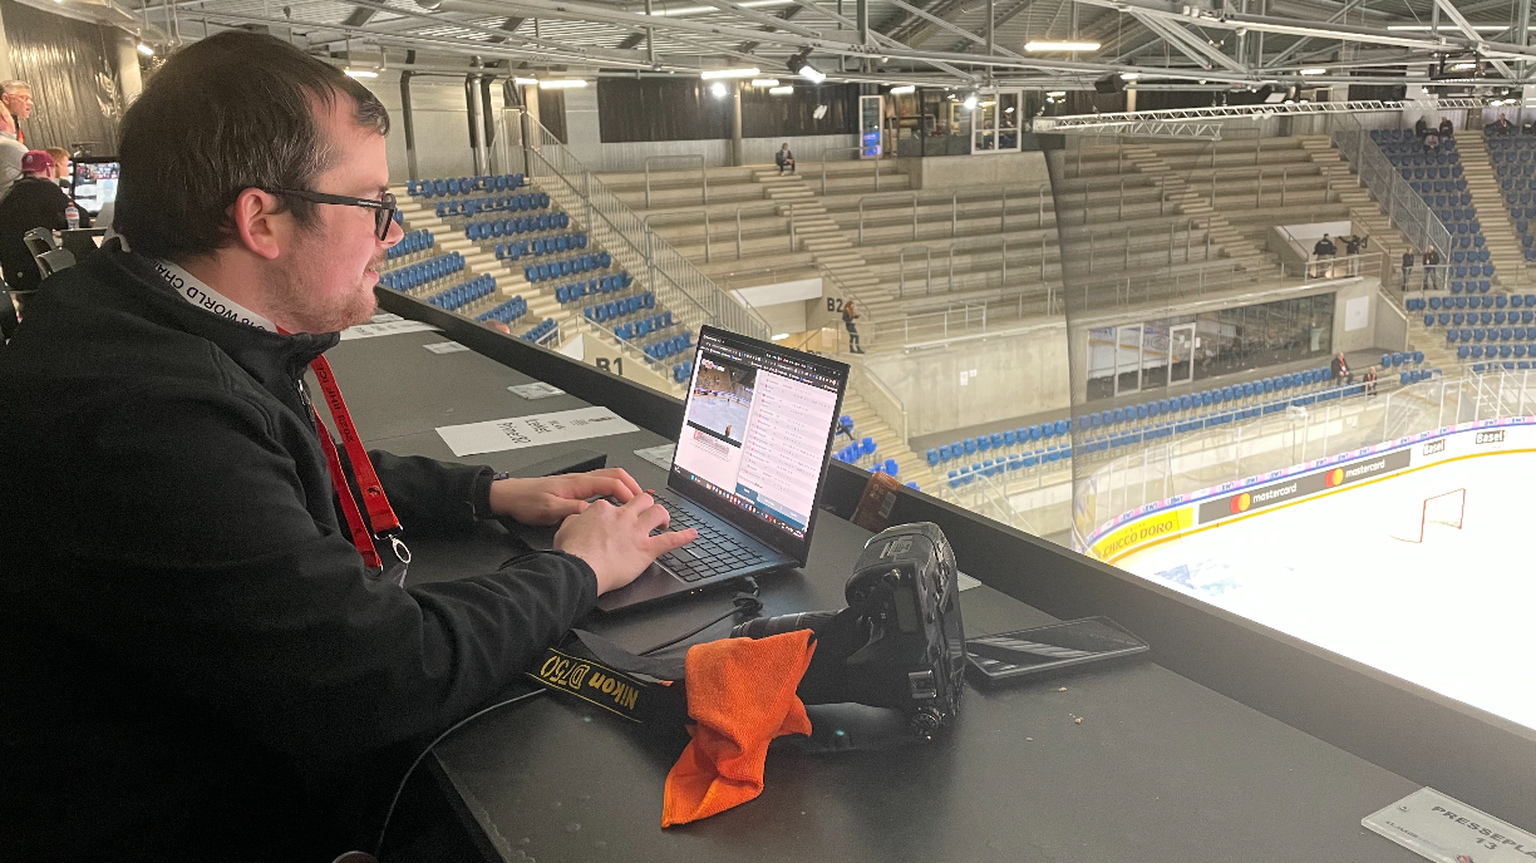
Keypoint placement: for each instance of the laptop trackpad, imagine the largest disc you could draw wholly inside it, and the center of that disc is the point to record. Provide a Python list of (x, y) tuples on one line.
[(654, 583)]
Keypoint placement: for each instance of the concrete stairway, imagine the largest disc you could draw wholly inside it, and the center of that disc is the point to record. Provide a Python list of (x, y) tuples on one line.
[(1190, 203), (817, 232), (510, 282), (867, 423), (1504, 250), (1364, 210)]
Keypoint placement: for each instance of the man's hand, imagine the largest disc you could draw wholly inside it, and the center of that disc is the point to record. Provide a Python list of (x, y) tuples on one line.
[(550, 499), (616, 541)]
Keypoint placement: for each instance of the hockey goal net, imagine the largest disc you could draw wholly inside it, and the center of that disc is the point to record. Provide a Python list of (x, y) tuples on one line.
[(1446, 509)]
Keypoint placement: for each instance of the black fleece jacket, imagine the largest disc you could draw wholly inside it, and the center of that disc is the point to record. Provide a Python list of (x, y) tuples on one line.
[(194, 663)]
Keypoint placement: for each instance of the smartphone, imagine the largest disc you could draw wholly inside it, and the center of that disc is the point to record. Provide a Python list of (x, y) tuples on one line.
[(1043, 650)]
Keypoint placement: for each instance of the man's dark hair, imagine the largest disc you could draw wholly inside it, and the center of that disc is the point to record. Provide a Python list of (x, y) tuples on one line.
[(228, 113)]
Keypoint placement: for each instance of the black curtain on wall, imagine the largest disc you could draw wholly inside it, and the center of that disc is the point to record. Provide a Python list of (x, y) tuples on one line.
[(767, 116), (552, 113), (633, 110), (72, 69)]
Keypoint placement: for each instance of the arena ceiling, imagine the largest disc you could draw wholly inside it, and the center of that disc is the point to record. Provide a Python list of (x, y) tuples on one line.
[(1165, 44)]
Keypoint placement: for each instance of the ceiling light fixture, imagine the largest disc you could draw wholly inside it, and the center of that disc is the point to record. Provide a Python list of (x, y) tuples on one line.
[(526, 82), (1130, 76), (1463, 67), (903, 89), (1061, 46), (970, 102), (1056, 94), (765, 82), (800, 64), (730, 73), (360, 73), (699, 10), (781, 91), (562, 84), (717, 90), (1313, 70), (146, 50)]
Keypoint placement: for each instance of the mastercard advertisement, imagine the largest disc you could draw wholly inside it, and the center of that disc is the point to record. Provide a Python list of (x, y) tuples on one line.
[(1291, 488)]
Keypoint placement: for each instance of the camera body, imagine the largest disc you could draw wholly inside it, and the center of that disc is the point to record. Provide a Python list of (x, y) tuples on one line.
[(900, 643)]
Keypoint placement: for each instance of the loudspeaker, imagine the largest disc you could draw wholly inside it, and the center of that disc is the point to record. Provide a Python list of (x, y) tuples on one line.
[(1109, 85)]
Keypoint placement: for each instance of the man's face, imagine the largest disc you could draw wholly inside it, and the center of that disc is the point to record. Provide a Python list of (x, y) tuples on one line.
[(18, 102), (324, 281)]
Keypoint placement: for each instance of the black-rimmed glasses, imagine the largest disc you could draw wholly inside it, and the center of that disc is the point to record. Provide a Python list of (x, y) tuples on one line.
[(383, 209)]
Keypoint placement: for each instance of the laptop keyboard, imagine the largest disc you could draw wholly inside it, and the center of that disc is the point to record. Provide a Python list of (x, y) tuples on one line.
[(714, 552)]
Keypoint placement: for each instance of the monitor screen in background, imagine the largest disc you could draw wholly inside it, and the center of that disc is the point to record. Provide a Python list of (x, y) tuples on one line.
[(756, 432), (94, 184)]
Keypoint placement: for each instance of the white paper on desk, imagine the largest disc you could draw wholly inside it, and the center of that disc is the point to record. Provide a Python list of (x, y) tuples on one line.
[(384, 318), (390, 328), (446, 347), (535, 430)]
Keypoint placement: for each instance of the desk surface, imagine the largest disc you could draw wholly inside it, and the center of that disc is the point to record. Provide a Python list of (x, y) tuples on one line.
[(1159, 769)]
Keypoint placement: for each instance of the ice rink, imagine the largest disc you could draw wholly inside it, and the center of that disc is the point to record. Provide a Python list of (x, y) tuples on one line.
[(720, 413), (1453, 613)]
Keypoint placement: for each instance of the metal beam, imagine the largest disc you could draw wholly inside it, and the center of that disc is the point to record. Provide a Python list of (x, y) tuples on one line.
[(1296, 46), (1466, 27), (1187, 43)]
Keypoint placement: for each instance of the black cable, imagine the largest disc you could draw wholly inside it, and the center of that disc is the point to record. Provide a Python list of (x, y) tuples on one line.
[(745, 601), (394, 801)]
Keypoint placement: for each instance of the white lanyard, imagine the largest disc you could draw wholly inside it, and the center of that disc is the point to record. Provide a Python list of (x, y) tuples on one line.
[(196, 292)]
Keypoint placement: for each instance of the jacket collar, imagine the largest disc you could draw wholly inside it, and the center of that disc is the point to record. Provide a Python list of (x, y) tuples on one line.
[(271, 358)]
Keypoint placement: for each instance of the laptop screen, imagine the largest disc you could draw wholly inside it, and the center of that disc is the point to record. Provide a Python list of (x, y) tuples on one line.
[(757, 430), (93, 184)]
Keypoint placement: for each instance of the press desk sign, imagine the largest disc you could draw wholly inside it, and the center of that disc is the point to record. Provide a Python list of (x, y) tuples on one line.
[(1442, 828)]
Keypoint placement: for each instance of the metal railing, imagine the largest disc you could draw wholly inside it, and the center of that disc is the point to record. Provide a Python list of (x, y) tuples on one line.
[(1295, 438), (789, 220), (703, 174), (824, 172), (1407, 211), (691, 296), (881, 398), (917, 201)]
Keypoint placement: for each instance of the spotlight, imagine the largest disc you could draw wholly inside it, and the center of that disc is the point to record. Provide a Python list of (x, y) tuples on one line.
[(970, 102), (800, 65), (717, 89)]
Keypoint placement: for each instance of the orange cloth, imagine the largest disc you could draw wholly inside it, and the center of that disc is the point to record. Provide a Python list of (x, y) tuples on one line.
[(741, 695)]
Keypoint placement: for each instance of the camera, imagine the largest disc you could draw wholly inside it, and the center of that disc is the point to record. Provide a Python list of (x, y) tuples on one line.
[(899, 644)]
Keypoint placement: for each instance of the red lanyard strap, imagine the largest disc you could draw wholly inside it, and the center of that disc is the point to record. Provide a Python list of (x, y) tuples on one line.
[(381, 516)]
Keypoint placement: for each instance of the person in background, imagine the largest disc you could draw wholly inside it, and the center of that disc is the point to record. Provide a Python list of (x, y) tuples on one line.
[(849, 316), (15, 106), (1502, 126), (1420, 127), (785, 160), (1447, 128), (1352, 245), (34, 201), (1431, 268), (1370, 381), (61, 166), (1340, 368), (1323, 252), (1431, 143), (1408, 257)]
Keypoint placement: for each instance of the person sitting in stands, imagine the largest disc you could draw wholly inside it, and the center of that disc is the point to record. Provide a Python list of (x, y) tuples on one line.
[(785, 160), (34, 201), (1447, 128), (1502, 126), (1431, 143), (1420, 127)]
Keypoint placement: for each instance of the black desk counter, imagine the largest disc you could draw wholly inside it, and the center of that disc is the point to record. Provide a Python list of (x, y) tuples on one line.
[(1159, 768)]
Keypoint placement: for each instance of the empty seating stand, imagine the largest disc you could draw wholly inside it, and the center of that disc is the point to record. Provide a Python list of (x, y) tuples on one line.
[(452, 186)]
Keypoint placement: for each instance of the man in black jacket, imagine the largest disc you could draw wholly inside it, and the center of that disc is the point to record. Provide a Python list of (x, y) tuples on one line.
[(195, 662), (34, 201)]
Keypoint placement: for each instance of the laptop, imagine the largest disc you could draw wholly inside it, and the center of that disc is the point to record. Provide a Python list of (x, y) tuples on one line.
[(749, 465), (93, 182)]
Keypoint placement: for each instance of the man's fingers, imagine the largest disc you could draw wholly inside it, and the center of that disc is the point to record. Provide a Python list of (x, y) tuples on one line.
[(655, 517), (623, 477), (662, 543)]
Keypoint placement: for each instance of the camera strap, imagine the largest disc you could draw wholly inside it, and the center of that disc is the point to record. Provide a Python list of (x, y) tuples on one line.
[(646, 690)]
